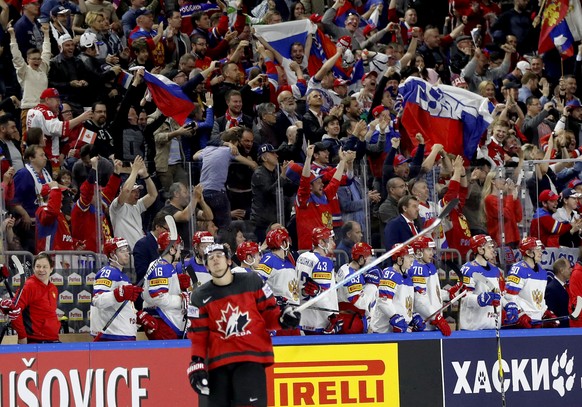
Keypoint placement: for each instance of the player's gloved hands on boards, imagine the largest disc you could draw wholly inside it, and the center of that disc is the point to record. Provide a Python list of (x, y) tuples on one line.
[(335, 324), (511, 313), (184, 280), (442, 325), (148, 322), (524, 321), (311, 288), (127, 292), (549, 315), (417, 323), (289, 319), (489, 298), (9, 308), (198, 376), (373, 276), (398, 323)]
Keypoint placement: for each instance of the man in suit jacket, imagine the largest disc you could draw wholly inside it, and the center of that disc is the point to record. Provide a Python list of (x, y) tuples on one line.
[(287, 116), (313, 118), (556, 292), (234, 116), (146, 249), (402, 227)]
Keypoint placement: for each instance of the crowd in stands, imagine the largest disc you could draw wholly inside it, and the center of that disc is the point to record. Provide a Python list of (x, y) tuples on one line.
[(87, 155)]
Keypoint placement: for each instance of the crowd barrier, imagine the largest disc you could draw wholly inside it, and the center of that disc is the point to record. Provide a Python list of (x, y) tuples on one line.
[(541, 367)]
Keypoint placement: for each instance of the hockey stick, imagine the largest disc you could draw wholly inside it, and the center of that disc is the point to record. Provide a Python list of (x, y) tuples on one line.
[(173, 237), (573, 316), (20, 270), (334, 286), (447, 305), (480, 278)]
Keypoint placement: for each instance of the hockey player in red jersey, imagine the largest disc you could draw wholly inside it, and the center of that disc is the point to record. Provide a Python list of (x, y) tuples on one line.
[(231, 347)]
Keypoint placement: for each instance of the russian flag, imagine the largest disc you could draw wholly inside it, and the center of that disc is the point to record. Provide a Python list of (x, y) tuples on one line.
[(168, 97), (453, 117), (322, 49), (281, 36), (561, 27), (124, 79)]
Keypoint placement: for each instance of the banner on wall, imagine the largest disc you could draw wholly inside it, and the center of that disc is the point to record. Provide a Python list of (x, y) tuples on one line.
[(540, 371)]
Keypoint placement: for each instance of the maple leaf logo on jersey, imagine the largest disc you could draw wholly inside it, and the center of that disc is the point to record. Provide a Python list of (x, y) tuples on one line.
[(233, 322)]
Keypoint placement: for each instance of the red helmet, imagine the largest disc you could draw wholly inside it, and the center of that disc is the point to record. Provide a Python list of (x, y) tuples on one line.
[(277, 237), (478, 241), (202, 236), (529, 243), (111, 245), (320, 233), (361, 250), (423, 242), (402, 251), (164, 241), (245, 249)]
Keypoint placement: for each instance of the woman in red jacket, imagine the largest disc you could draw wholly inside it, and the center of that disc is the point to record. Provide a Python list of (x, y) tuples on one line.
[(38, 322), (512, 210)]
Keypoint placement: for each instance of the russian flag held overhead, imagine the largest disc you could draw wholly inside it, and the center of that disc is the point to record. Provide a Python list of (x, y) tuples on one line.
[(168, 97), (281, 36), (561, 26), (443, 114)]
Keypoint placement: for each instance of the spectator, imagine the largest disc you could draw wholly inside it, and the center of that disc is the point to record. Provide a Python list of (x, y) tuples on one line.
[(287, 116), (545, 227), (267, 185), (313, 118), (351, 29), (89, 210), (568, 213), (126, 210), (402, 227), (352, 235), (154, 38), (313, 207), (530, 82), (182, 206), (534, 117), (45, 117), (60, 24), (353, 200), (145, 249), (9, 142), (396, 188), (32, 74), (517, 22), (26, 29), (177, 42), (292, 149), (234, 116), (103, 7), (264, 129), (38, 322), (556, 294), (214, 173), (479, 69), (53, 232)]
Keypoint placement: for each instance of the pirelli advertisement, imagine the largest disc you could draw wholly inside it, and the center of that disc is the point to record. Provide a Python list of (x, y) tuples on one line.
[(540, 368)]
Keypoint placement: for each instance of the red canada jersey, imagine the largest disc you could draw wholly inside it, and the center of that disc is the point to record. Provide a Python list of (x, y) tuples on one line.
[(229, 324)]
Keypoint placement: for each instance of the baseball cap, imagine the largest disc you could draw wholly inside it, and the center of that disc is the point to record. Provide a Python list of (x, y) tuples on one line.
[(345, 41), (59, 10), (377, 111), (371, 73), (463, 38), (266, 148), (523, 66), (64, 38), (50, 93), (511, 85), (399, 160), (573, 104), (315, 175), (570, 193), (340, 82), (46, 189), (88, 40), (574, 183), (143, 12), (548, 195), (368, 29)]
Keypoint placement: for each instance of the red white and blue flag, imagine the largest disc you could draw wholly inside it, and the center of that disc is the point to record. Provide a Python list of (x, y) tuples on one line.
[(322, 49), (561, 27), (447, 115), (283, 35), (168, 97)]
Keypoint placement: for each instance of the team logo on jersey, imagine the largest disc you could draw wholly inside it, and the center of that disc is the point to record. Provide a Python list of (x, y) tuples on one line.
[(233, 322), (326, 219), (537, 297), (293, 287), (408, 303)]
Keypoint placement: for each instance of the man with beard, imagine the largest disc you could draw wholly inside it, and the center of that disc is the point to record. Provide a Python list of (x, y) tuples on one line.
[(234, 116), (287, 116)]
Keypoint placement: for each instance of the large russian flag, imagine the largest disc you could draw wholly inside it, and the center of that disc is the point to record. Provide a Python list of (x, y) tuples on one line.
[(322, 49), (281, 36), (561, 26), (453, 117), (168, 97)]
